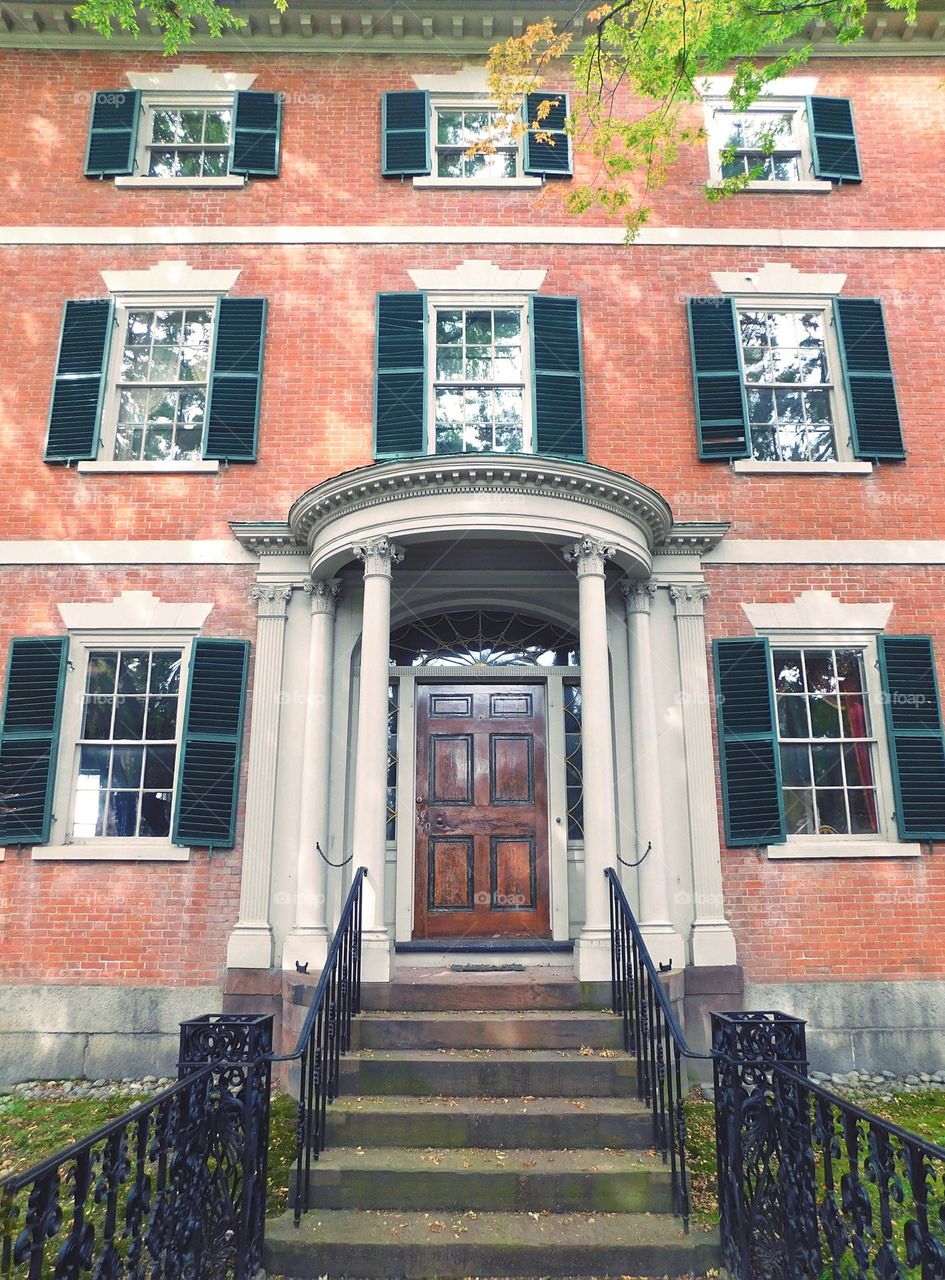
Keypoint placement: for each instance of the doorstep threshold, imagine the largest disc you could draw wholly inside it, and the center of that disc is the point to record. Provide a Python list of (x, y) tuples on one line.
[(480, 946)]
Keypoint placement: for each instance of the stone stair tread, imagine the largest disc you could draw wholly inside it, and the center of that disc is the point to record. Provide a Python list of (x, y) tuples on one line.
[(486, 1055), (419, 1105), (521, 1160), (450, 1015)]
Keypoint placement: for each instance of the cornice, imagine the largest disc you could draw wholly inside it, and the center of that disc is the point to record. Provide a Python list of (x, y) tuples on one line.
[(693, 538), (266, 537)]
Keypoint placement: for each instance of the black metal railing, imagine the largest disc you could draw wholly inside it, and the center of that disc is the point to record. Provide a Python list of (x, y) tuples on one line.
[(324, 1038), (652, 1033), (174, 1189)]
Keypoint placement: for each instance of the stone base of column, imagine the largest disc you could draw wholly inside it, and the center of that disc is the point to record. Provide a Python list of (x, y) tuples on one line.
[(375, 955), (305, 946), (592, 956), (249, 947), (664, 945), (713, 943)]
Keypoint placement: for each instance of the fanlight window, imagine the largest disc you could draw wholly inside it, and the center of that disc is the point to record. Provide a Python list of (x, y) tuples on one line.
[(477, 637)]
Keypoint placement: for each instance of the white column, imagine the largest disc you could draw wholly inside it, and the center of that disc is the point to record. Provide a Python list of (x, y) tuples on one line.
[(308, 943), (662, 939), (713, 942), (592, 950), (368, 841), (250, 943)]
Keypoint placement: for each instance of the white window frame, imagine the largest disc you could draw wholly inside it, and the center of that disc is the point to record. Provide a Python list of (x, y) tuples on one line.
[(63, 846), (106, 462), (156, 100), (480, 302), (716, 107), (845, 463), (885, 843), (470, 102)]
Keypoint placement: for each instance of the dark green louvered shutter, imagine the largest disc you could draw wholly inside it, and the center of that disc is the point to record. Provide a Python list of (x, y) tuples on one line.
[(833, 140), (721, 408), (257, 127), (76, 411), (558, 376), (235, 380), (400, 375), (29, 737), (113, 133), (867, 374), (748, 744), (916, 741), (405, 134), (547, 156), (208, 777)]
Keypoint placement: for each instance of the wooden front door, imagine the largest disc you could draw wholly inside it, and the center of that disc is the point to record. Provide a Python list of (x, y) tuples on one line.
[(482, 813)]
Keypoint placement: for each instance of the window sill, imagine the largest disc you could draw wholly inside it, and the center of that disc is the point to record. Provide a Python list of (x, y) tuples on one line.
[(230, 180), (513, 184), (844, 849), (814, 187), (199, 466), (111, 851), (852, 467)]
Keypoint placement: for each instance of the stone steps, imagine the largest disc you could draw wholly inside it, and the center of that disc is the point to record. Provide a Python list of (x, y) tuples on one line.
[(448, 995), (543, 1029), (489, 1073)]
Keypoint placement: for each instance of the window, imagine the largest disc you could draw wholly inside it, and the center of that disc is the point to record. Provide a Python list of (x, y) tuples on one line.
[(127, 749), (790, 390), (825, 741), (459, 127), (479, 380), (186, 140), (769, 142)]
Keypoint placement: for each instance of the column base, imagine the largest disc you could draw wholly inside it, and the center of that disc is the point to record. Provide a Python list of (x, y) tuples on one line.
[(305, 946), (375, 955), (592, 956), (664, 945), (713, 943), (249, 947)]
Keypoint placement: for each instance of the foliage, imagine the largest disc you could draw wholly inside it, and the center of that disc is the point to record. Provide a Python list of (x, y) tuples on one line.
[(638, 75), (174, 19)]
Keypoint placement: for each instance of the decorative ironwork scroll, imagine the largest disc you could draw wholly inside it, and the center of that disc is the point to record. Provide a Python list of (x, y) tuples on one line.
[(479, 637)]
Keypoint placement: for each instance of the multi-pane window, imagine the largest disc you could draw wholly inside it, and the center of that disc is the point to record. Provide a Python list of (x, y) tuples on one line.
[(789, 385), (827, 748), (479, 381), (764, 144), (127, 751), (162, 383), (474, 143), (188, 141)]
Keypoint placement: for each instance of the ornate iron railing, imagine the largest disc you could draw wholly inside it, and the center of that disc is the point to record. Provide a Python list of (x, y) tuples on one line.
[(652, 1033), (174, 1189), (324, 1038)]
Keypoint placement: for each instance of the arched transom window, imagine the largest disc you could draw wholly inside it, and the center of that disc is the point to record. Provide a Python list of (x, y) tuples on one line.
[(480, 637)]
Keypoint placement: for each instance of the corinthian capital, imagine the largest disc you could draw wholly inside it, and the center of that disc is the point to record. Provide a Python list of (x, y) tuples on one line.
[(378, 556), (323, 595), (689, 599), (589, 556), (271, 599), (638, 595)]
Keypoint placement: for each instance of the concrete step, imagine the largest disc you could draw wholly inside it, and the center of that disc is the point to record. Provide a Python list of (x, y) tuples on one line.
[(534, 1029), (488, 1073), (538, 1123), (458, 993), (449, 1245), (490, 1181)]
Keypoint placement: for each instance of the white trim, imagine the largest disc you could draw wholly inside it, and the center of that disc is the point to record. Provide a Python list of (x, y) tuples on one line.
[(799, 551), (225, 180), (506, 184), (475, 274), (189, 78), (780, 279), (108, 851), (820, 847), (785, 87), (817, 610), (789, 103), (816, 187), (170, 276), (846, 467), (134, 611), (60, 552), (472, 78), (173, 467)]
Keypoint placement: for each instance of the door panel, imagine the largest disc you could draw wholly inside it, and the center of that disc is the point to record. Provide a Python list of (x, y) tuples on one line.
[(482, 821)]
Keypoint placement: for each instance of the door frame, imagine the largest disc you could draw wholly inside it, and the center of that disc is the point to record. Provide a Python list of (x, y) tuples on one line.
[(401, 857)]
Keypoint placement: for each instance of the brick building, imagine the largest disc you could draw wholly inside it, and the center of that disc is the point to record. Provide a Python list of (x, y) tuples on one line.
[(349, 482)]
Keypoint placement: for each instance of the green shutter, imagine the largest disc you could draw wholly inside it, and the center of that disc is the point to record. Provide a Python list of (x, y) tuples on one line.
[(558, 376), (113, 133), (550, 156), (29, 737), (916, 740), (867, 374), (75, 414), (257, 127), (208, 776), (833, 139), (405, 134), (232, 425), (400, 375), (721, 406), (748, 743)]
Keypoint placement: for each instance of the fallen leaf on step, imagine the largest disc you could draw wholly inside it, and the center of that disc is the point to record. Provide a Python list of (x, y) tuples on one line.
[(585, 1051), (437, 1226), (529, 1097), (609, 1053)]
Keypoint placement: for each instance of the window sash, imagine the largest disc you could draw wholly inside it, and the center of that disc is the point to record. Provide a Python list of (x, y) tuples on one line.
[(445, 148), (154, 102), (720, 120)]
